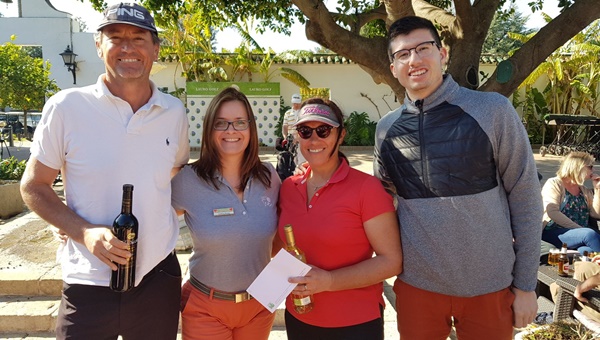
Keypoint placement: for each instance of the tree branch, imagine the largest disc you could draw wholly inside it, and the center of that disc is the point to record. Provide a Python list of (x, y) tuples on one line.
[(552, 36), (356, 22), (369, 53), (397, 9)]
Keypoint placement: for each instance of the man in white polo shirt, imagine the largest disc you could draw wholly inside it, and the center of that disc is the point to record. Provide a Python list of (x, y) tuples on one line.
[(289, 119), (119, 130)]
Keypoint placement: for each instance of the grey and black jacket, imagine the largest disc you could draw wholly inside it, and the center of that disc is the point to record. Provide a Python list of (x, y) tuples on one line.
[(469, 202)]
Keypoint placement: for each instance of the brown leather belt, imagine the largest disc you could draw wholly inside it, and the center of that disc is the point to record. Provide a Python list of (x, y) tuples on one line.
[(235, 297)]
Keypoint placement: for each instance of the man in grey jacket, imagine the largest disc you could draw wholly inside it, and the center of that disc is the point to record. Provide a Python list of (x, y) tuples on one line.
[(461, 168)]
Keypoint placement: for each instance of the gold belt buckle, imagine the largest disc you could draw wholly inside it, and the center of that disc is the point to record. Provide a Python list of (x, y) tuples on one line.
[(241, 297)]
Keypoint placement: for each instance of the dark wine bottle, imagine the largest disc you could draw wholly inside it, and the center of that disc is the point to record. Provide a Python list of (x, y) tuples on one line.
[(125, 227)]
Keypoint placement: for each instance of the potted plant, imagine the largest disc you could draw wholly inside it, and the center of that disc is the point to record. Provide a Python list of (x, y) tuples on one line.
[(11, 171), (558, 330)]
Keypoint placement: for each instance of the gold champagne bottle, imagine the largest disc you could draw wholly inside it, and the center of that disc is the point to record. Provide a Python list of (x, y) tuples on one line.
[(302, 304)]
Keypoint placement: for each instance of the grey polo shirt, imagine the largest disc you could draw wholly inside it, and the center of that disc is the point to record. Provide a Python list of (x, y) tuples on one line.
[(232, 238)]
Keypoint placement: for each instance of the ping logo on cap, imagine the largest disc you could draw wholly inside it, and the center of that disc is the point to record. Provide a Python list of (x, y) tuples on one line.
[(130, 14), (121, 11)]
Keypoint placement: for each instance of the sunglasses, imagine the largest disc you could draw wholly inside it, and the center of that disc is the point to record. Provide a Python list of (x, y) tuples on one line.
[(591, 167), (323, 131)]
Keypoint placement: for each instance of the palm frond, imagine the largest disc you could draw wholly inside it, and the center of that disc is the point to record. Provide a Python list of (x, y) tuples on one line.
[(294, 77)]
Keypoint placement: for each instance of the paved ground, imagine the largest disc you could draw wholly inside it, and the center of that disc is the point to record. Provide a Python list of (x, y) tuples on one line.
[(36, 243)]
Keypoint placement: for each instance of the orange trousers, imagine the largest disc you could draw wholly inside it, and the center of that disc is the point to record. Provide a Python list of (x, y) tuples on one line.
[(427, 315), (203, 317)]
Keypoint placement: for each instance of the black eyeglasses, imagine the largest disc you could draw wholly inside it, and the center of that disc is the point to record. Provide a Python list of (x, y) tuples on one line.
[(590, 166), (238, 125), (322, 131), (423, 50)]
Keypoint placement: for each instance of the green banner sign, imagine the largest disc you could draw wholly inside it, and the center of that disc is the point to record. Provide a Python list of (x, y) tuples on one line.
[(249, 89)]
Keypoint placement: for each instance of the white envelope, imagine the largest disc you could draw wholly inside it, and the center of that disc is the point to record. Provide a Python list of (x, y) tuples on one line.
[(271, 286)]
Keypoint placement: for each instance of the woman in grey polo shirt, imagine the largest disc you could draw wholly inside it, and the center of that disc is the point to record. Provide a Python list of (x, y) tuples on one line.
[(229, 198)]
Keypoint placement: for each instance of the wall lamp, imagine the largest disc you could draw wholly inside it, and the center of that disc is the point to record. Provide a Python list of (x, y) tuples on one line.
[(69, 60)]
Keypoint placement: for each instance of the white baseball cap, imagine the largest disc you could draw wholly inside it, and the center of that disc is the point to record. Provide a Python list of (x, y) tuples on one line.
[(296, 99)]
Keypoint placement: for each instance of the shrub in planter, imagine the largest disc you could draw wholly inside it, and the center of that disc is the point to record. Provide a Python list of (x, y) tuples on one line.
[(559, 330), (12, 169), (11, 202)]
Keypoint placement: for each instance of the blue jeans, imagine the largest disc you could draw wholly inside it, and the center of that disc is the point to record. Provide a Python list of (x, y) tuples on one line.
[(582, 239)]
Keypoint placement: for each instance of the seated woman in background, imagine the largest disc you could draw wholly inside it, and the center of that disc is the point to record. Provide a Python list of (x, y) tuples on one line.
[(568, 205)]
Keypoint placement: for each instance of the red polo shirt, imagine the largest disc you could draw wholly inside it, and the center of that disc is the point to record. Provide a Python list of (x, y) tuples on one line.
[(330, 231)]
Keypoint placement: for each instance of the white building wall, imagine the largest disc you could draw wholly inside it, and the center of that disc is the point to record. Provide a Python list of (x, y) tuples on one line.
[(346, 81), (89, 65), (168, 74), (43, 25)]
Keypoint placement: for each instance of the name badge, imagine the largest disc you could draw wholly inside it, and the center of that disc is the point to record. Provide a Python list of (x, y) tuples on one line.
[(222, 212)]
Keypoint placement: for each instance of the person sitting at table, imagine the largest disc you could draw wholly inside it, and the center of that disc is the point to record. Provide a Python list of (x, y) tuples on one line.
[(568, 204), (589, 274)]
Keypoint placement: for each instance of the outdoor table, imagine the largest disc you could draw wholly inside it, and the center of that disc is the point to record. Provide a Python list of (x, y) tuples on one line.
[(565, 299)]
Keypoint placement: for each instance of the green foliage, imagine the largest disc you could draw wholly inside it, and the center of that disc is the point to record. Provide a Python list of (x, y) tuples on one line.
[(374, 29), (537, 5), (294, 77), (251, 57), (535, 109), (360, 130), (560, 330), (292, 55), (24, 81), (573, 75), (276, 15), (191, 39), (177, 93), (192, 42), (319, 92), (242, 63), (82, 24), (498, 40), (12, 169), (34, 51)]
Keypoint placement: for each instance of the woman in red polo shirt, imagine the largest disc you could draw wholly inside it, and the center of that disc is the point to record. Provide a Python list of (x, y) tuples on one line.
[(340, 217)]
